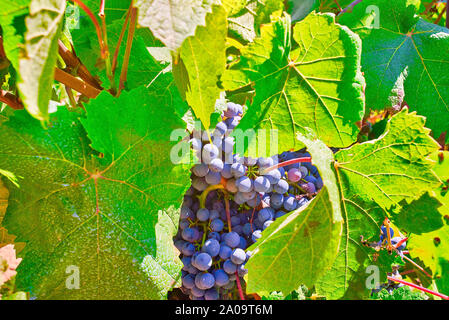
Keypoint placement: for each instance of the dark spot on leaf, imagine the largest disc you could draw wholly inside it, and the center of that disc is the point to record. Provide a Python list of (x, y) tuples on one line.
[(310, 225), (436, 241)]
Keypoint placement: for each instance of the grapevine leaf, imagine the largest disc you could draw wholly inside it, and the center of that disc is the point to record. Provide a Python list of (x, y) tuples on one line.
[(112, 217), (442, 171), (264, 10), (405, 56), (433, 249), (333, 6), (12, 22), (203, 56), (300, 9), (393, 167), (172, 21), (234, 6), (318, 85), (372, 177), (37, 65), (298, 248), (113, 9), (5, 237), (425, 210), (241, 26)]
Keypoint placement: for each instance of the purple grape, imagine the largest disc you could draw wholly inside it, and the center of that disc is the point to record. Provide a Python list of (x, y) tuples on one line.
[(244, 184), (204, 280), (294, 175), (261, 184), (202, 214), (200, 170), (202, 262), (216, 165), (212, 247), (281, 187), (232, 239), (216, 225), (229, 267), (221, 277)]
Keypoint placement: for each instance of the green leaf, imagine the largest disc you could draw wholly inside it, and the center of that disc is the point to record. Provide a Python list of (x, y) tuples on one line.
[(395, 166), (12, 19), (172, 21), (333, 6), (316, 86), (299, 247), (299, 9), (406, 58), (36, 66), (442, 171), (419, 216), (204, 58), (234, 6), (402, 293), (112, 216), (264, 10), (372, 177), (433, 249)]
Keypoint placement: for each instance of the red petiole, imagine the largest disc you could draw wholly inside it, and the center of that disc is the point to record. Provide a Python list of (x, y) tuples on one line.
[(442, 296), (285, 163)]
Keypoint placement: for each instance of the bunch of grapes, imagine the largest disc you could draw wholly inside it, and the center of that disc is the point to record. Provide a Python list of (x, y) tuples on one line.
[(231, 201)]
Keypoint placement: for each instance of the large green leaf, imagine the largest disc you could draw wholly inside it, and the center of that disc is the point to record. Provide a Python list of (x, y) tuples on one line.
[(203, 56), (419, 216), (12, 17), (172, 21), (432, 248), (406, 58), (374, 176), (36, 66), (317, 85), (113, 215), (299, 247)]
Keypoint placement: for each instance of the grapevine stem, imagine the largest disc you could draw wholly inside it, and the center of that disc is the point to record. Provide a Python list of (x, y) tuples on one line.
[(120, 39), (203, 196), (400, 243), (11, 100), (129, 43), (418, 287), (96, 24), (239, 286), (76, 84), (338, 5), (447, 15), (74, 63), (350, 6), (285, 163), (107, 56), (417, 265), (228, 212)]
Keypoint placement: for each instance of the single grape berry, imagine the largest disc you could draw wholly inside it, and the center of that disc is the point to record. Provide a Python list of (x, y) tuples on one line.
[(238, 256), (232, 239), (203, 261)]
